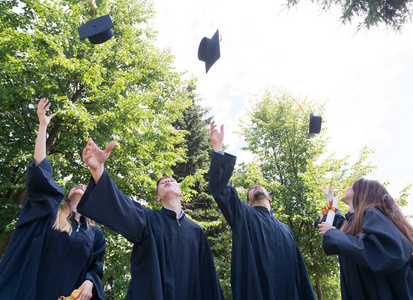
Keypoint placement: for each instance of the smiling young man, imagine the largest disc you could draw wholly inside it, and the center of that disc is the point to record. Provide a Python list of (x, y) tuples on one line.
[(171, 258), (266, 262)]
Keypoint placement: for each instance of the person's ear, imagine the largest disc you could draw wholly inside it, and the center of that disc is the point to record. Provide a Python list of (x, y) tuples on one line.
[(158, 198), (182, 194), (269, 198)]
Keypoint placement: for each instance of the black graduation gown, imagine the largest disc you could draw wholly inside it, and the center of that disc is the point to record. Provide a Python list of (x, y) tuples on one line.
[(266, 262), (42, 263), (378, 264), (171, 258)]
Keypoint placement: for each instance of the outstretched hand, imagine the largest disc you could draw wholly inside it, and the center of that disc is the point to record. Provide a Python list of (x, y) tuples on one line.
[(328, 192), (94, 157), (42, 107), (217, 137)]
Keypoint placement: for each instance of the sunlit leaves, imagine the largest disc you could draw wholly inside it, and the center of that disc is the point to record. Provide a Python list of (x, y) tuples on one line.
[(370, 13)]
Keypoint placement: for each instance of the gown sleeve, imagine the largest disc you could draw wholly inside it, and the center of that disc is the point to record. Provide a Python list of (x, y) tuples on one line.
[(222, 166), (210, 285), (106, 204), (304, 287), (94, 272), (381, 247), (44, 193)]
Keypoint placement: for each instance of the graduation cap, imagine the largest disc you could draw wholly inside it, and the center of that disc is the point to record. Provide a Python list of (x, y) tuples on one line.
[(315, 125), (208, 50), (97, 30)]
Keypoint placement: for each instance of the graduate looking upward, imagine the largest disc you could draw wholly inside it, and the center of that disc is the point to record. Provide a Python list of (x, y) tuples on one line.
[(374, 243), (171, 258), (54, 250), (266, 262), (169, 194)]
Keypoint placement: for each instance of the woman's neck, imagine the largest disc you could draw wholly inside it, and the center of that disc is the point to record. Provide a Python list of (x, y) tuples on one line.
[(74, 201)]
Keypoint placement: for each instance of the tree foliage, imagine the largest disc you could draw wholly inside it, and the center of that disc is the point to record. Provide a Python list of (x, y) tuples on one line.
[(293, 168), (124, 89), (393, 14)]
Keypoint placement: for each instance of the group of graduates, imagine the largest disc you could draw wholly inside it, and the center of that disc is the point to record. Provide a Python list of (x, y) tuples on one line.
[(56, 248)]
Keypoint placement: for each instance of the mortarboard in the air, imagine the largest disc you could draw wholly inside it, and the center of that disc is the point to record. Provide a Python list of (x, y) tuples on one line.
[(97, 30), (315, 125), (208, 50)]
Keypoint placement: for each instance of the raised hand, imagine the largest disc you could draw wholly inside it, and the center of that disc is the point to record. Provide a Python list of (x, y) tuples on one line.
[(328, 192), (42, 107), (40, 146), (217, 137), (94, 158)]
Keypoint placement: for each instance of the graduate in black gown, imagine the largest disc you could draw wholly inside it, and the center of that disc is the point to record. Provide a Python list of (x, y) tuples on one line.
[(266, 262), (374, 243), (54, 250), (171, 258)]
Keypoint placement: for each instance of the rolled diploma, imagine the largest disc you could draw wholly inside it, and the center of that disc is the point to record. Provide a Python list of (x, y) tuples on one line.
[(331, 214)]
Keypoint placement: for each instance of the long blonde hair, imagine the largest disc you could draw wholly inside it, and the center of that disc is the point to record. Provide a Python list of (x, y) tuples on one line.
[(63, 216)]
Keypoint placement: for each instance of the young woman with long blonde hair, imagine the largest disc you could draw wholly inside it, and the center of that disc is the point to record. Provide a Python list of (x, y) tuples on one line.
[(54, 249)]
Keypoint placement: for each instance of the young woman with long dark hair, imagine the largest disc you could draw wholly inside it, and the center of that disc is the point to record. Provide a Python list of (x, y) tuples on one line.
[(54, 249), (374, 243)]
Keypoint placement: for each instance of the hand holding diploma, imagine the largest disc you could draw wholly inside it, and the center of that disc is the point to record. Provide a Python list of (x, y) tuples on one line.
[(332, 204)]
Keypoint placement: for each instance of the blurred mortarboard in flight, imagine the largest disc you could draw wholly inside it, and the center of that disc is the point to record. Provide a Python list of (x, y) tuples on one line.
[(315, 125), (97, 30), (208, 50)]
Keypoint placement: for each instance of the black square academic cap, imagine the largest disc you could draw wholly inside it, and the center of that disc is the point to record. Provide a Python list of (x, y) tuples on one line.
[(208, 50), (315, 125), (97, 30)]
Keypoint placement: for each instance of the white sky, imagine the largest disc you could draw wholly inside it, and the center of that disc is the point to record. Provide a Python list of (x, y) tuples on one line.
[(365, 76)]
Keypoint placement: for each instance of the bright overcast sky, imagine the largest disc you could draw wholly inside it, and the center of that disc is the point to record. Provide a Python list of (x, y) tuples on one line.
[(366, 76)]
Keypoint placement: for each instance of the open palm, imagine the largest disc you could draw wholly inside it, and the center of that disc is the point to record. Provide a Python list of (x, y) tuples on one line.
[(217, 137), (42, 107), (94, 157)]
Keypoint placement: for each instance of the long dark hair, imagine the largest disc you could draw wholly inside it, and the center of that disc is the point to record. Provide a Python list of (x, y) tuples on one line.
[(370, 193)]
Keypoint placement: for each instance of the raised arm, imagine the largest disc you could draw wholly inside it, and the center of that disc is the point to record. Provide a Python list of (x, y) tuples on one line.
[(220, 171), (44, 193), (40, 146)]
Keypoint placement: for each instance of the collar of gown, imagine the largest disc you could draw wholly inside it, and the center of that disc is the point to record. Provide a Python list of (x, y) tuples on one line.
[(170, 212), (83, 221), (349, 216), (263, 209)]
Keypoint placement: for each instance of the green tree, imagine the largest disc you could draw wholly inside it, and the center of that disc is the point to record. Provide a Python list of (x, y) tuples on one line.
[(393, 14), (192, 172), (293, 168), (125, 89)]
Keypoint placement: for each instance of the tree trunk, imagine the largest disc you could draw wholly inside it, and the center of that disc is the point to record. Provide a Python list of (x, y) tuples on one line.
[(318, 287), (5, 241), (21, 197), (316, 277)]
